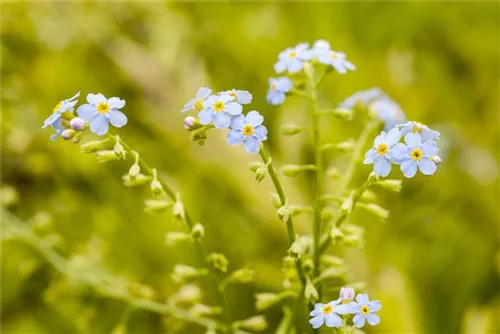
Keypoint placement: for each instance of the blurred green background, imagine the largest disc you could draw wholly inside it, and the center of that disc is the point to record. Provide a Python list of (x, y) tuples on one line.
[(434, 264)]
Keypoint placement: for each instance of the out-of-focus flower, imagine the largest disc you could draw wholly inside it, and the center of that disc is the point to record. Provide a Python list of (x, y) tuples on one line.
[(362, 98), (99, 112), (291, 59), (387, 111), (219, 109), (196, 103), (416, 155), (422, 129), (248, 130), (364, 310), (319, 53), (60, 108), (338, 61), (328, 314), (381, 153), (240, 96), (277, 90), (347, 294)]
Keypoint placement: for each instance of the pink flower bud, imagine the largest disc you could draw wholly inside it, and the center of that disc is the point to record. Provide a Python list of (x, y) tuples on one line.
[(189, 122), (347, 294), (77, 124)]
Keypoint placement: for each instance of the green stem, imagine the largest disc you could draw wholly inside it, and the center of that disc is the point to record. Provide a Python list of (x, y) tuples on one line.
[(200, 247), (281, 194), (22, 231)]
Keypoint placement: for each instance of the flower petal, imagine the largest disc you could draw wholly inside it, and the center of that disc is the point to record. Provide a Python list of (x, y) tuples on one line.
[(233, 108), (393, 136), (86, 112), (409, 168), (203, 93), (53, 118), (117, 118), (254, 118), (373, 319), (221, 120), (206, 116), (235, 137), (362, 299), (400, 152), (96, 98), (381, 138), (243, 96), (294, 66), (252, 144), (275, 98), (99, 125), (284, 84), (428, 134), (359, 320), (413, 140), (430, 148), (189, 105), (260, 132), (238, 122), (382, 167), (317, 321), (333, 320), (116, 102), (427, 166), (370, 156), (375, 306), (280, 66)]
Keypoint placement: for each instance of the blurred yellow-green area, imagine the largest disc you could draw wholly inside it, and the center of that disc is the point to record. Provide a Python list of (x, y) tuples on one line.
[(434, 264)]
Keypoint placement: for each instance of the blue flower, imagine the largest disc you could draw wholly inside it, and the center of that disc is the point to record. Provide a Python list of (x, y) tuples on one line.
[(319, 53), (57, 126), (338, 61), (277, 89), (416, 155), (364, 310), (328, 314), (99, 112), (60, 108), (240, 96), (219, 109), (381, 154), (361, 98), (388, 112), (247, 130), (417, 127), (291, 59), (197, 102)]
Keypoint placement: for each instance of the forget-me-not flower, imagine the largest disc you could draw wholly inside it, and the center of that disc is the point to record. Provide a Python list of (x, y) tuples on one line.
[(58, 128), (319, 53), (277, 89), (328, 314), (219, 109), (197, 102), (247, 130), (339, 62), (361, 98), (364, 310), (100, 111), (291, 59), (381, 153), (387, 111), (60, 108), (240, 96), (416, 155), (417, 127)]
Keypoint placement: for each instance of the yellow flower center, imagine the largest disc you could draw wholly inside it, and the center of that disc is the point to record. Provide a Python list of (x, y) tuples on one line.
[(218, 106), (365, 310), (292, 55), (248, 130), (416, 154), (58, 106), (327, 309), (382, 149), (198, 104), (103, 107), (273, 87), (417, 127)]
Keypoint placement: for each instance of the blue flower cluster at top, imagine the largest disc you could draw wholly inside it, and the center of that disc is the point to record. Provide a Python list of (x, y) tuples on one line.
[(418, 152), (292, 61), (224, 110)]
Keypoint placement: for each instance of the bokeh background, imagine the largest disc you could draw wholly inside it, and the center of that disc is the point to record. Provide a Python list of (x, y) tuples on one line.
[(434, 264)]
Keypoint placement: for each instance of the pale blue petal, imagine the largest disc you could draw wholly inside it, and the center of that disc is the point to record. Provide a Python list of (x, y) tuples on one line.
[(189, 105), (51, 119), (359, 320), (260, 132), (427, 166), (430, 148), (353, 308), (393, 136), (275, 98), (116, 103), (280, 66), (284, 84), (252, 144), (74, 97), (382, 167), (206, 116), (96, 98), (294, 65), (370, 156), (243, 96), (237, 122), (86, 112), (301, 47), (342, 309), (99, 125), (210, 101), (333, 320), (203, 93), (339, 67), (225, 97), (380, 138), (254, 118), (117, 118), (317, 321), (284, 54), (307, 54), (235, 137), (413, 140), (233, 108), (319, 306), (362, 299), (315, 312), (409, 168), (222, 120), (324, 58), (400, 152), (55, 136), (373, 319), (374, 306), (428, 134)]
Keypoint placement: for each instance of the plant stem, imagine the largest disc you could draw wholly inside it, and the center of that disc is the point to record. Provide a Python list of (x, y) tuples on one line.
[(200, 247)]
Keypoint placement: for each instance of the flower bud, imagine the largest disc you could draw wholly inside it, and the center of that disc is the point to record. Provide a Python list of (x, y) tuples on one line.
[(346, 206), (242, 275), (139, 180), (310, 291), (155, 206), (353, 235), (368, 196), (175, 238), (178, 210), (437, 159), (77, 137), (95, 145), (345, 146), (290, 129), (297, 249), (392, 185), (375, 209), (261, 173), (77, 124), (347, 294), (156, 187), (189, 122), (255, 324), (134, 170), (218, 261), (198, 231), (120, 150), (332, 260), (106, 156), (183, 273), (308, 266), (68, 134), (255, 165), (284, 214)]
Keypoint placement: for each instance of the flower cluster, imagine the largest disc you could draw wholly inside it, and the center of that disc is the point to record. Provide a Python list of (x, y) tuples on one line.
[(363, 310), (418, 152), (96, 115), (378, 105), (224, 110)]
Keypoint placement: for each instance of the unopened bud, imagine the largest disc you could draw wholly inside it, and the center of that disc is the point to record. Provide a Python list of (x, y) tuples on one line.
[(139, 180), (347, 294), (77, 124), (134, 170), (308, 265), (437, 159), (120, 150), (290, 129), (345, 146), (68, 134), (284, 214), (265, 300), (392, 185), (198, 231), (155, 206), (178, 210), (261, 173), (297, 249), (310, 292), (218, 261), (255, 165), (95, 145), (106, 156), (189, 122), (156, 187), (175, 238)]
